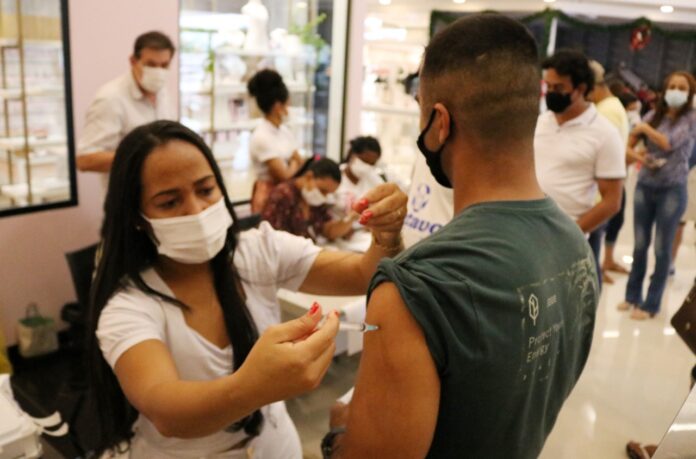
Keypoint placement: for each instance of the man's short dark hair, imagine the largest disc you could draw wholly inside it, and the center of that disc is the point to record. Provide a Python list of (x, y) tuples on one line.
[(485, 69), (153, 40), (573, 64)]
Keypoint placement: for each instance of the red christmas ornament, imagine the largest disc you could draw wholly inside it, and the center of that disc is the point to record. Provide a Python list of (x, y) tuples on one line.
[(640, 37)]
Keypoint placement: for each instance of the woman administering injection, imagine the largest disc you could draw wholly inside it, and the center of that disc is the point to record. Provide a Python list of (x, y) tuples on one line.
[(188, 356)]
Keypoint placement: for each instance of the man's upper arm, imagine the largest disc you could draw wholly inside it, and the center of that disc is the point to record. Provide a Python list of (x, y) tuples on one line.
[(397, 394), (102, 129), (610, 162)]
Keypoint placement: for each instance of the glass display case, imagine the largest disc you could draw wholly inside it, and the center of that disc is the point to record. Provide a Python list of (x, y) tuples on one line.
[(391, 57), (223, 44), (36, 145)]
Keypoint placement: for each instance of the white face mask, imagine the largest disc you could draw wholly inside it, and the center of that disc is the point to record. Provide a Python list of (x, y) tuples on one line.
[(192, 239), (675, 98), (360, 168), (154, 78), (313, 197)]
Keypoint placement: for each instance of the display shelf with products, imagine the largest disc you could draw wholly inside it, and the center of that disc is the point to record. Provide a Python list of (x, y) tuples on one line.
[(35, 139), (223, 46), (389, 110)]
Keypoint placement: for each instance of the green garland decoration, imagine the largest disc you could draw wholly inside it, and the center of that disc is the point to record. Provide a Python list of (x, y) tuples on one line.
[(549, 15)]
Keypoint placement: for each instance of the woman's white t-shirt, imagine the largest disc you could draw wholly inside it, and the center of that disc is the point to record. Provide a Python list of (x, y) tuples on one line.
[(269, 142), (266, 260)]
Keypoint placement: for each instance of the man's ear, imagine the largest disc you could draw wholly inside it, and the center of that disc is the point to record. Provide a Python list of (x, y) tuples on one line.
[(443, 122)]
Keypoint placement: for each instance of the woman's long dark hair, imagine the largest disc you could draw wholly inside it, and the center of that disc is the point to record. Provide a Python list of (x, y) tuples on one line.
[(126, 251), (661, 106)]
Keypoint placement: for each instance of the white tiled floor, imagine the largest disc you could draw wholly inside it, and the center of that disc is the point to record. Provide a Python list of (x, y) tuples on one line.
[(636, 378), (635, 381)]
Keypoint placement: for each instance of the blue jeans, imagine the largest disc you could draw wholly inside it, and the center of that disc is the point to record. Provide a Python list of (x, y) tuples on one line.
[(595, 241), (663, 208)]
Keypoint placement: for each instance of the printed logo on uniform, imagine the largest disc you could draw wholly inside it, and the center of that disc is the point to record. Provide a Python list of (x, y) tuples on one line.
[(533, 307), (420, 199)]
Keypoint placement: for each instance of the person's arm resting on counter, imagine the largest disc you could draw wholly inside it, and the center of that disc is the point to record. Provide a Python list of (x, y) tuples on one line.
[(344, 273), (395, 405)]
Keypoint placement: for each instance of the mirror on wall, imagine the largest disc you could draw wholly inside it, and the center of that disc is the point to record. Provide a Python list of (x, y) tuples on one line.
[(37, 170)]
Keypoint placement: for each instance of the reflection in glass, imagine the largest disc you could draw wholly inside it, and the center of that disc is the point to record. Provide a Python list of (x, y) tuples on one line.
[(34, 148)]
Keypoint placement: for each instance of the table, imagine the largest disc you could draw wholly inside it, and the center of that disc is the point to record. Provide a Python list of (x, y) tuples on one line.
[(296, 304)]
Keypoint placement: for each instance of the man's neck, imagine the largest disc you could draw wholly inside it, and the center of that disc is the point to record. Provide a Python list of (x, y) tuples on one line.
[(602, 94), (511, 177), (572, 112)]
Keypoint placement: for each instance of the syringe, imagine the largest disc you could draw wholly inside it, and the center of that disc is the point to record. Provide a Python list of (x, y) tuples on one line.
[(357, 327)]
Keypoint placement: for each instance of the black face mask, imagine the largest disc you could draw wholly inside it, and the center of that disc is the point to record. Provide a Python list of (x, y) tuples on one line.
[(558, 102), (433, 158)]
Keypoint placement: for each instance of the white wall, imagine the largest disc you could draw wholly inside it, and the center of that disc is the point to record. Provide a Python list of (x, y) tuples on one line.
[(32, 247)]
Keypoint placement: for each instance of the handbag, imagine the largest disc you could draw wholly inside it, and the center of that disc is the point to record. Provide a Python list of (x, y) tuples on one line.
[(36, 334), (684, 321)]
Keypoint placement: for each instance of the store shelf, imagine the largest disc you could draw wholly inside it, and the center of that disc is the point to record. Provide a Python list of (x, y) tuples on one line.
[(47, 91), (227, 51), (42, 190), (233, 89), (249, 125), (8, 42), (17, 143), (391, 110)]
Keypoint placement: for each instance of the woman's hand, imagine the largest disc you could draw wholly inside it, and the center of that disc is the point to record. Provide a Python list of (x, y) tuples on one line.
[(291, 358), (639, 129), (383, 210)]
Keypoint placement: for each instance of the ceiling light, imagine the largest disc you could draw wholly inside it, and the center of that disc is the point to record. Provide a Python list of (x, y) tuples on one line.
[(301, 5), (459, 1), (667, 9), (549, 1), (385, 2)]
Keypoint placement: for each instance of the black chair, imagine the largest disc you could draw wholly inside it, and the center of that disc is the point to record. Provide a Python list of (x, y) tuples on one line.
[(81, 264), (71, 399), (244, 218)]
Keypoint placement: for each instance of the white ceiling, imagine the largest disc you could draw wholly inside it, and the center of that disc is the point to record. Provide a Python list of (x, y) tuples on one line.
[(416, 13)]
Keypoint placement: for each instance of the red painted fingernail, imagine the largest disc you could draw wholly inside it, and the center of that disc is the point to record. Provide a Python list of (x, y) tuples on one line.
[(336, 313), (314, 309), (367, 214), (363, 202)]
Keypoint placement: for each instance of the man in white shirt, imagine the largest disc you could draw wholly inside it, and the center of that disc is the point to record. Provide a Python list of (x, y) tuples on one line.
[(133, 99), (578, 152)]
